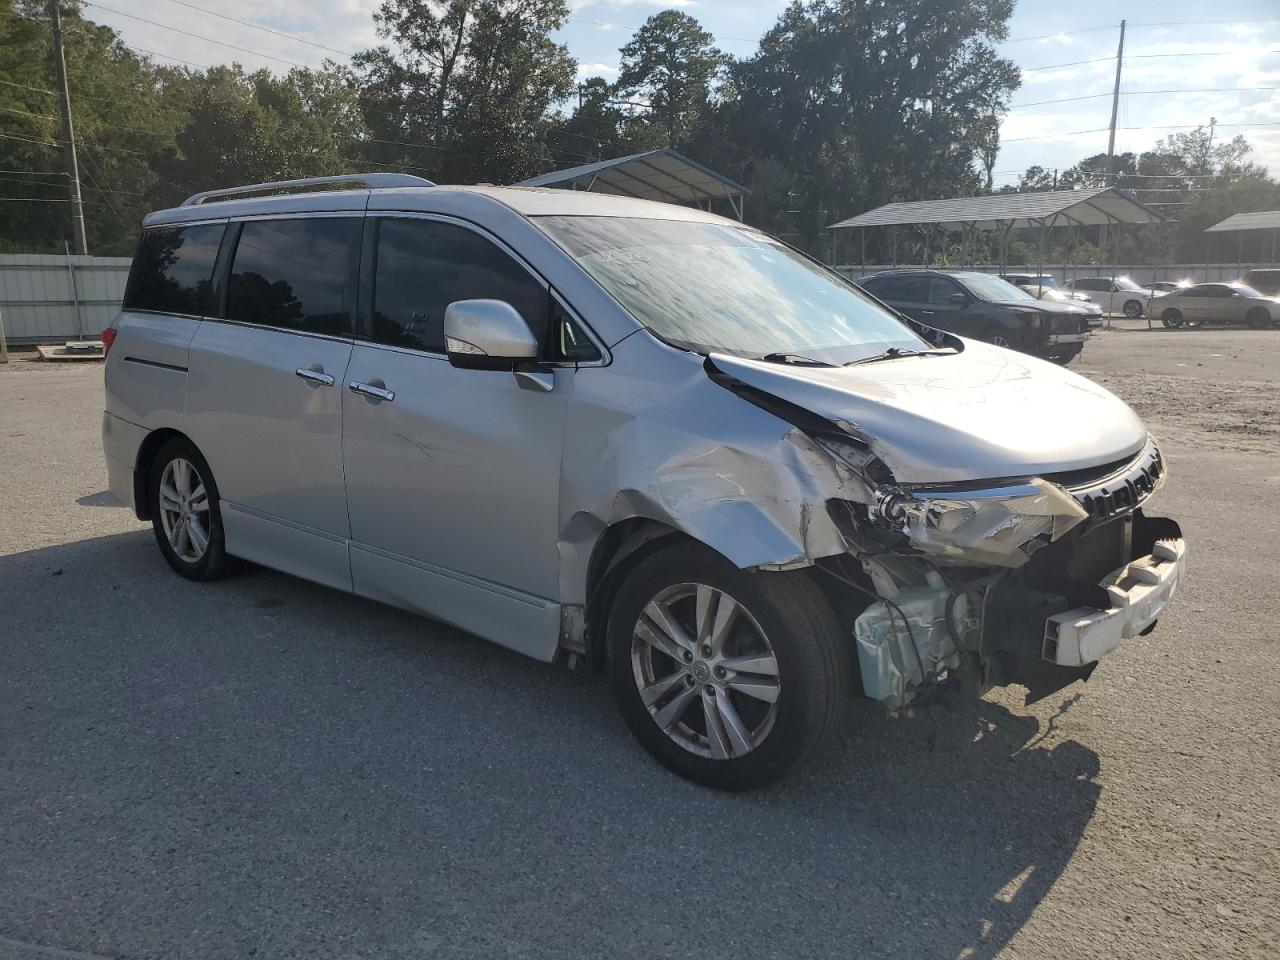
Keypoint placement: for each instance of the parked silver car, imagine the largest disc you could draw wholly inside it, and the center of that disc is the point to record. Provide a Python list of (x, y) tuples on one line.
[(1218, 303), (639, 436)]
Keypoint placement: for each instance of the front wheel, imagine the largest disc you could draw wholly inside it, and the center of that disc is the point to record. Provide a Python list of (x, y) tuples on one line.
[(728, 678), (1133, 309), (185, 512), (997, 339)]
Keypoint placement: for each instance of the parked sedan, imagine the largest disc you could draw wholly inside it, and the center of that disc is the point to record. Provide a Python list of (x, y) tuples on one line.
[(1043, 286), (1219, 303), (1114, 294), (1167, 286), (983, 307)]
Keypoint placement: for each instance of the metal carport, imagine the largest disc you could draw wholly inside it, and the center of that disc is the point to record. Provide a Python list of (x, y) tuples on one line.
[(1242, 223), (1005, 212), (665, 175)]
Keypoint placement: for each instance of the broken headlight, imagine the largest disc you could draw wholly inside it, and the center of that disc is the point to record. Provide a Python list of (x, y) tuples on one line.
[(1001, 526)]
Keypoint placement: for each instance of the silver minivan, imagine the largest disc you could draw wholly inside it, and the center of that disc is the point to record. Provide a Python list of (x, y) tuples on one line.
[(629, 435)]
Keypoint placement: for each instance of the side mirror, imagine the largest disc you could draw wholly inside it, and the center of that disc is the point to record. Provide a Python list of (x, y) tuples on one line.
[(487, 335), (959, 299)]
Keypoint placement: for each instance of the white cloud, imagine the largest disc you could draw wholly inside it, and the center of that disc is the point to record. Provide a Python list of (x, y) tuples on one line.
[(608, 71)]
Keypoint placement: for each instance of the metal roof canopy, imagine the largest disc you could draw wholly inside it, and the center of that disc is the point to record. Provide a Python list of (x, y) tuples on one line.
[(665, 175), (1261, 220), (1004, 211)]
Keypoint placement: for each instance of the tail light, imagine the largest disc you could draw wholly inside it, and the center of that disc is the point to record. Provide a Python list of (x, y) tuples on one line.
[(108, 338)]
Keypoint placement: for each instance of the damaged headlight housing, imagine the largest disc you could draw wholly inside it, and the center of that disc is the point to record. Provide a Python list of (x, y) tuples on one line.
[(1000, 526)]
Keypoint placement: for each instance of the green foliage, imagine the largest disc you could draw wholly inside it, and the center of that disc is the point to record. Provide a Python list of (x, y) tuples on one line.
[(845, 105), (462, 90), (671, 63)]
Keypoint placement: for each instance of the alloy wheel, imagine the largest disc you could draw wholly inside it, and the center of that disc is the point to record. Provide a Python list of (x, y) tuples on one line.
[(184, 510), (706, 671)]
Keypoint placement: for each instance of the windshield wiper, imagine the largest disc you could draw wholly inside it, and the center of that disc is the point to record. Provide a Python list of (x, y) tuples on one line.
[(795, 359), (893, 353)]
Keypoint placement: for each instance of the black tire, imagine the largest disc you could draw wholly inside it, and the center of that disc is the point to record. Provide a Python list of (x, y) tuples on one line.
[(813, 664), (1257, 318), (1000, 338), (213, 562), (1133, 309), (1172, 318)]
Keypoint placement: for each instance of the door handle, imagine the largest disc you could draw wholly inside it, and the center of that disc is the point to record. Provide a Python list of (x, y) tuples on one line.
[(369, 390), (927, 313), (314, 376)]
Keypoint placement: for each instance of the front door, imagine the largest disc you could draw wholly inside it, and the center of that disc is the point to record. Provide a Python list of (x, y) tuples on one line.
[(264, 393), (453, 476)]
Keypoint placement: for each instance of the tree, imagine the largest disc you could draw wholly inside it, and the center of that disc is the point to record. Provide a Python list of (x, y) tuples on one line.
[(462, 88), (987, 143), (864, 103), (671, 62)]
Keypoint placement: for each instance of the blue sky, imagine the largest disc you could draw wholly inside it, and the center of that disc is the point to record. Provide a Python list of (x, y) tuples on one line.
[(1235, 46)]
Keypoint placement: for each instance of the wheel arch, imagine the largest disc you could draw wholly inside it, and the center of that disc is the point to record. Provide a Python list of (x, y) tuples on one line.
[(147, 451), (618, 549)]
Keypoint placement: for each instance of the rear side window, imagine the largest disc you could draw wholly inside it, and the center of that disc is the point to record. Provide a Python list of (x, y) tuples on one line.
[(297, 274), (425, 265), (173, 270)]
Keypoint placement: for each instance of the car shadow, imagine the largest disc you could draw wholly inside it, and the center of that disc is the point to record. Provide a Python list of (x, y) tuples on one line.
[(365, 778)]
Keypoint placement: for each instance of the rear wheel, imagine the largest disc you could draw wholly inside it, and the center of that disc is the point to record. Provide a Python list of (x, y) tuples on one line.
[(185, 512), (1172, 318), (1133, 309), (726, 677), (1258, 318)]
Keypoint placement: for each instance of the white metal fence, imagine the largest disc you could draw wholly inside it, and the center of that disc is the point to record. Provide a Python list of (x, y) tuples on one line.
[(51, 299), (1140, 273)]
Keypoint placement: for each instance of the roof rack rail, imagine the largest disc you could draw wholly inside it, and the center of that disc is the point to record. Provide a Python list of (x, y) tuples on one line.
[(371, 181)]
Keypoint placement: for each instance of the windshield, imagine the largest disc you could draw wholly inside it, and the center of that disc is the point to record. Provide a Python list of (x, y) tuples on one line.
[(1124, 283), (710, 287), (992, 288)]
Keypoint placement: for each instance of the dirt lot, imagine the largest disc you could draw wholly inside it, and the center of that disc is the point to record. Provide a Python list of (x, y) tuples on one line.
[(261, 767)]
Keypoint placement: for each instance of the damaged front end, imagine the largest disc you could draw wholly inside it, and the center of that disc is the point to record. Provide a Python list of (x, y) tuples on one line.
[(1028, 582)]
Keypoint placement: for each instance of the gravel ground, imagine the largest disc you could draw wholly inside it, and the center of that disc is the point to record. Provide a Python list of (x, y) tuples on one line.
[(262, 767)]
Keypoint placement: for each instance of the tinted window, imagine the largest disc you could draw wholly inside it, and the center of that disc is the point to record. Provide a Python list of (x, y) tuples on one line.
[(173, 270), (1213, 291), (425, 265), (908, 289), (1092, 285), (297, 274), (941, 289)]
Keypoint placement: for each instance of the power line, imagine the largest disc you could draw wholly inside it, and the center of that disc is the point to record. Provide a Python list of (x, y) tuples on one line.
[(1140, 93), (1070, 63), (1063, 33), (256, 26), (196, 36), (1162, 126), (27, 113)]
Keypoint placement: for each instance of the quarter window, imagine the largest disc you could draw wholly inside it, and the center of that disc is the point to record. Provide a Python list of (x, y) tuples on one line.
[(173, 270), (425, 265), (296, 274)]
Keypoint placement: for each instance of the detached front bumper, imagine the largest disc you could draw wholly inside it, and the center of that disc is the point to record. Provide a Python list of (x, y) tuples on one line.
[(1066, 339), (1138, 592)]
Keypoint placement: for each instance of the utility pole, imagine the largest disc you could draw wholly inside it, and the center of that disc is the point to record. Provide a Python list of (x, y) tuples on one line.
[(68, 133), (1115, 109), (1111, 136)]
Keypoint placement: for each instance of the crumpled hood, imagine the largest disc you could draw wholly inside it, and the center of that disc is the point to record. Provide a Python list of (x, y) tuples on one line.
[(1045, 306), (980, 414)]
